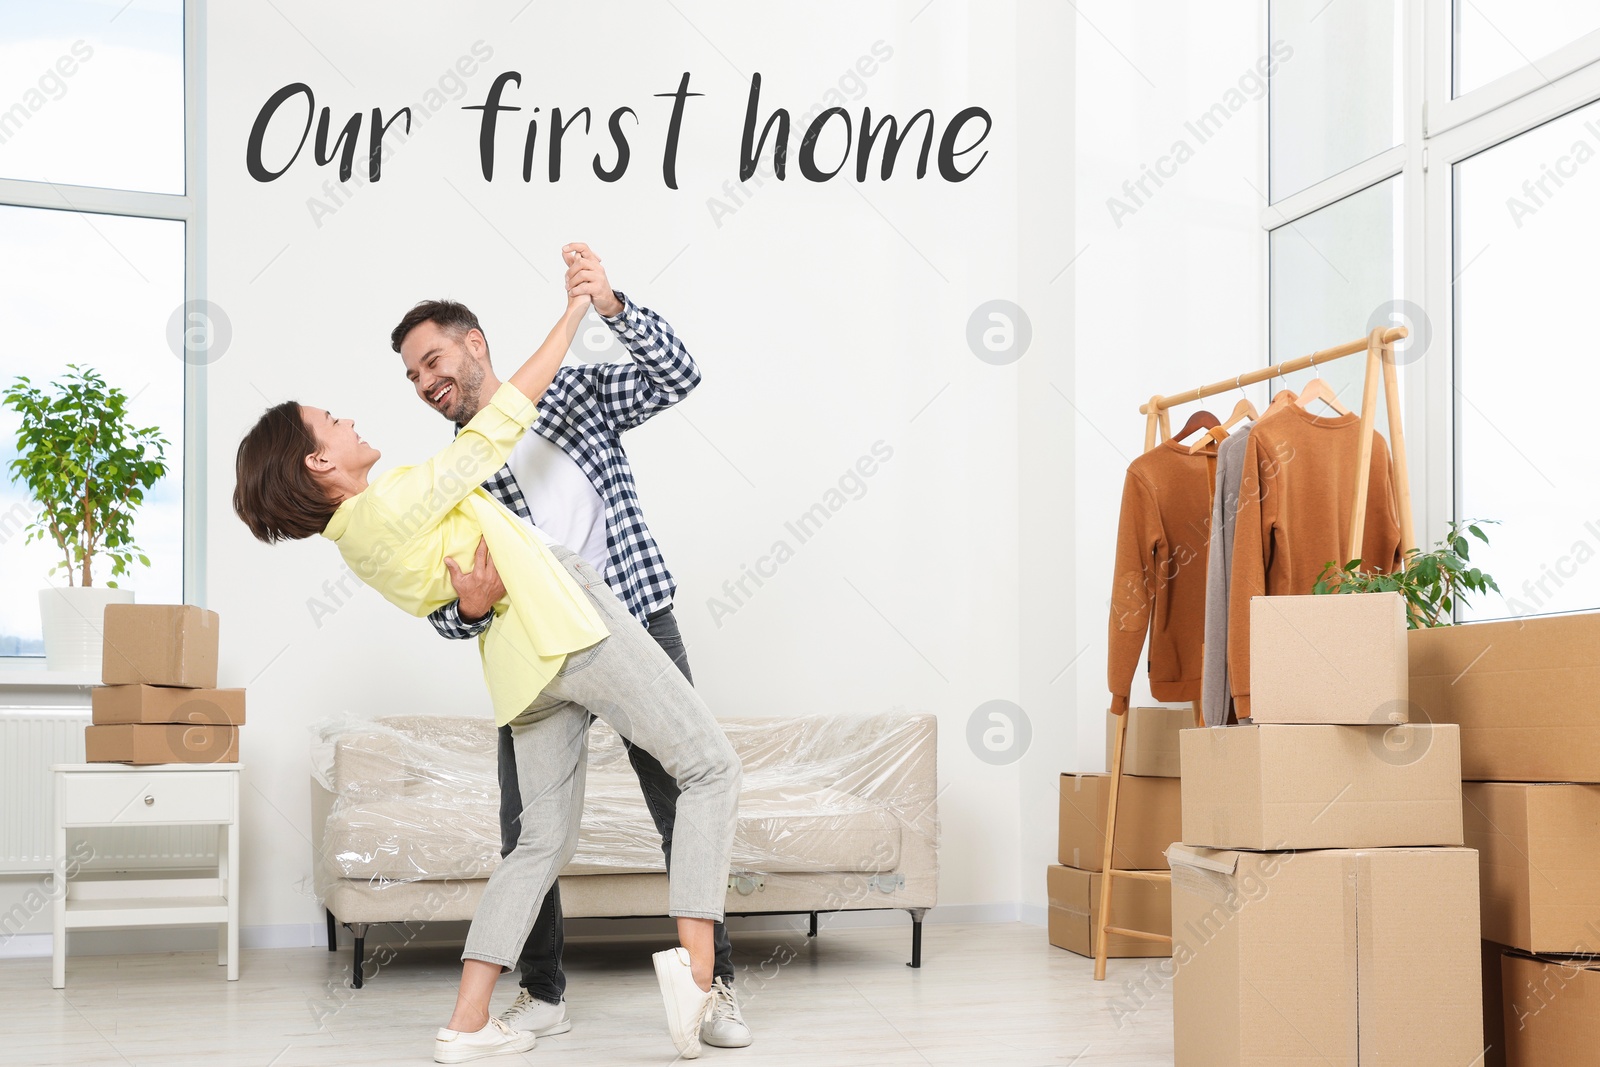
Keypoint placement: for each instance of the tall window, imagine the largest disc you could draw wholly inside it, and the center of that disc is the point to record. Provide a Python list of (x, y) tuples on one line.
[(1524, 214), (1330, 269), (98, 254), (1334, 126), (1446, 155)]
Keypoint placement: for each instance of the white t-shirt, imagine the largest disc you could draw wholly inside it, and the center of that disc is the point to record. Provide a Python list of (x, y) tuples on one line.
[(565, 507)]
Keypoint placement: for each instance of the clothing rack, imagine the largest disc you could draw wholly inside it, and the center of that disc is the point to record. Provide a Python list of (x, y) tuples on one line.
[(1379, 347)]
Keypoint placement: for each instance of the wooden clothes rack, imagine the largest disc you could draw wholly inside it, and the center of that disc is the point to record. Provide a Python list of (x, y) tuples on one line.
[(1379, 347)]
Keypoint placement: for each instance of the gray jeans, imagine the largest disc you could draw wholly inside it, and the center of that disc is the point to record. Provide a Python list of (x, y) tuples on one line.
[(540, 961), (628, 681)]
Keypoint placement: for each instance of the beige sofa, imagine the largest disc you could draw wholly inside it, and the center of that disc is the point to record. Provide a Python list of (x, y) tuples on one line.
[(837, 813)]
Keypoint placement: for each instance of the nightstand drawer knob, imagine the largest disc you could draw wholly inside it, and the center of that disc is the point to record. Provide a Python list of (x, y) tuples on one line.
[(149, 801)]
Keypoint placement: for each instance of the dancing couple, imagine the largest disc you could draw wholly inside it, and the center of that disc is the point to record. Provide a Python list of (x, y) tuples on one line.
[(535, 544)]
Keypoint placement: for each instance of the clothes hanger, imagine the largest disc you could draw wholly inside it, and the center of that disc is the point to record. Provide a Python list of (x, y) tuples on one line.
[(1282, 399), (1242, 410), (1200, 420), (1317, 389)]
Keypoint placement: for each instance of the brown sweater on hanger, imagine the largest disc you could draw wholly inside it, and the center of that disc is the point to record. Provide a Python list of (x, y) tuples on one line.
[(1295, 504), (1160, 581)]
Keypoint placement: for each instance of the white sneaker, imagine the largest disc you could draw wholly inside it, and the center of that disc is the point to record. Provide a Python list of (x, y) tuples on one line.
[(724, 1026), (495, 1039), (534, 1016), (686, 1001)]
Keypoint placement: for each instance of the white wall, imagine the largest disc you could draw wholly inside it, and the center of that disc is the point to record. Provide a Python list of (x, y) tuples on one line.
[(826, 318)]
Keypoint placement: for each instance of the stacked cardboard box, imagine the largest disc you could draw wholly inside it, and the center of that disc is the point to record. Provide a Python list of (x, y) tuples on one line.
[(1551, 1007), (1526, 696), (1525, 692), (1075, 908), (1148, 819), (1323, 909), (159, 702)]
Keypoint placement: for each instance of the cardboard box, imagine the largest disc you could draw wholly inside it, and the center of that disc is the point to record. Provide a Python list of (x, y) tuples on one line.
[(1494, 1006), (1328, 659), (1525, 692), (1148, 820), (151, 703), (1075, 907), (1151, 745), (160, 644), (144, 743), (1552, 1009), (1364, 956), (1539, 853), (1286, 787)]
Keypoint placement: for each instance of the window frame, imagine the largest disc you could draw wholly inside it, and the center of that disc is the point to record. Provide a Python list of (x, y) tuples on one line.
[(1446, 111), (189, 209), (1440, 131)]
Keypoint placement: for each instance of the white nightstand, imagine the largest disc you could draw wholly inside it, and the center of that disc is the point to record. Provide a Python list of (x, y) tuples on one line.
[(174, 794)]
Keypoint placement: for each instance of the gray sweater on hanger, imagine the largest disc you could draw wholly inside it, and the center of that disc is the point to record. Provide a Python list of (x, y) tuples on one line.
[(1216, 698)]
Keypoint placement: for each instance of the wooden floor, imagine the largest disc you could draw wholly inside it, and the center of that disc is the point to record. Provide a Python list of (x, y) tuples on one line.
[(986, 994)]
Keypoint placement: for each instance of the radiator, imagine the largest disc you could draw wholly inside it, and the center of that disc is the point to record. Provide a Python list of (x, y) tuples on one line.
[(31, 739)]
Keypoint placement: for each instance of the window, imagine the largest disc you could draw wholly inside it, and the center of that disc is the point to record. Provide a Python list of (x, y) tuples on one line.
[(1335, 100), (1494, 38), (94, 94), (1334, 159), (1524, 211), (99, 232), (1330, 271), (1469, 210)]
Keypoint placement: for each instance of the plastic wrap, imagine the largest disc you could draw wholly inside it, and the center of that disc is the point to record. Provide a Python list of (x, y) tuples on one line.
[(828, 802)]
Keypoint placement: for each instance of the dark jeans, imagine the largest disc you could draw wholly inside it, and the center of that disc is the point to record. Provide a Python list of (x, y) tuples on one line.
[(540, 961)]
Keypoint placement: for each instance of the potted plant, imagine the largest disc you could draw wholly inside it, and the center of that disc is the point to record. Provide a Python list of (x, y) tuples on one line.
[(1433, 583), (87, 468)]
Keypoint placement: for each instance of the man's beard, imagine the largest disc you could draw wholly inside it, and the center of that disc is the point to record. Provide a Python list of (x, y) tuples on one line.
[(468, 388)]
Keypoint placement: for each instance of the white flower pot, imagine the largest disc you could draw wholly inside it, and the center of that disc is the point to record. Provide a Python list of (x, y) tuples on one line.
[(72, 620)]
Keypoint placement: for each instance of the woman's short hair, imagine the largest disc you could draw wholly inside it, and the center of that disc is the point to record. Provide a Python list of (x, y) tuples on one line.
[(274, 492)]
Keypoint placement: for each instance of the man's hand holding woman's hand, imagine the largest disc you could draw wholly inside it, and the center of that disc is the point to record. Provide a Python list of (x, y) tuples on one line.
[(480, 589), (586, 287), (587, 278)]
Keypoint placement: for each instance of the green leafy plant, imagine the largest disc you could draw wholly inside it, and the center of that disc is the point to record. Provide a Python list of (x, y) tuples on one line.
[(86, 467), (1433, 582)]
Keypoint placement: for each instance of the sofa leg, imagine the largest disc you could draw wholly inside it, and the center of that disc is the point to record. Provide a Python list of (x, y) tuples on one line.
[(333, 931), (916, 936), (813, 931), (360, 932)]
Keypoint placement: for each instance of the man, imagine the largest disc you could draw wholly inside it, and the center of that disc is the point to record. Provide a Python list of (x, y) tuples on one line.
[(570, 478)]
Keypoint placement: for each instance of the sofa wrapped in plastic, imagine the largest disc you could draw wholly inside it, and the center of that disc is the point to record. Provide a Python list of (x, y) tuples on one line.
[(837, 813)]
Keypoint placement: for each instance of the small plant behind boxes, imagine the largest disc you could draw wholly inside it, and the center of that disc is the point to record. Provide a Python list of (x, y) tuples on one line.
[(1433, 583), (86, 467)]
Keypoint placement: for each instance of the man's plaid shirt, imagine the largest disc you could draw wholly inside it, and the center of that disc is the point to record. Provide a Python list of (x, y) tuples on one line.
[(584, 412)]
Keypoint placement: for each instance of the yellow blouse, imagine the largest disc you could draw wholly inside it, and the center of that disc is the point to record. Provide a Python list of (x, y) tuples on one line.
[(397, 532)]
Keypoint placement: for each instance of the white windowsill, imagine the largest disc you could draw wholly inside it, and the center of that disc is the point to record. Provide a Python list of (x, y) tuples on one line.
[(17, 671)]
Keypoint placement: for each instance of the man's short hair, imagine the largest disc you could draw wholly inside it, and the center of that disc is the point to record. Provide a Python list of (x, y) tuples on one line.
[(448, 315)]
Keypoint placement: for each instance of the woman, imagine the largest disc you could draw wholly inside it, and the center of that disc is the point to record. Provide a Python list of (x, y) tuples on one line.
[(560, 648)]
